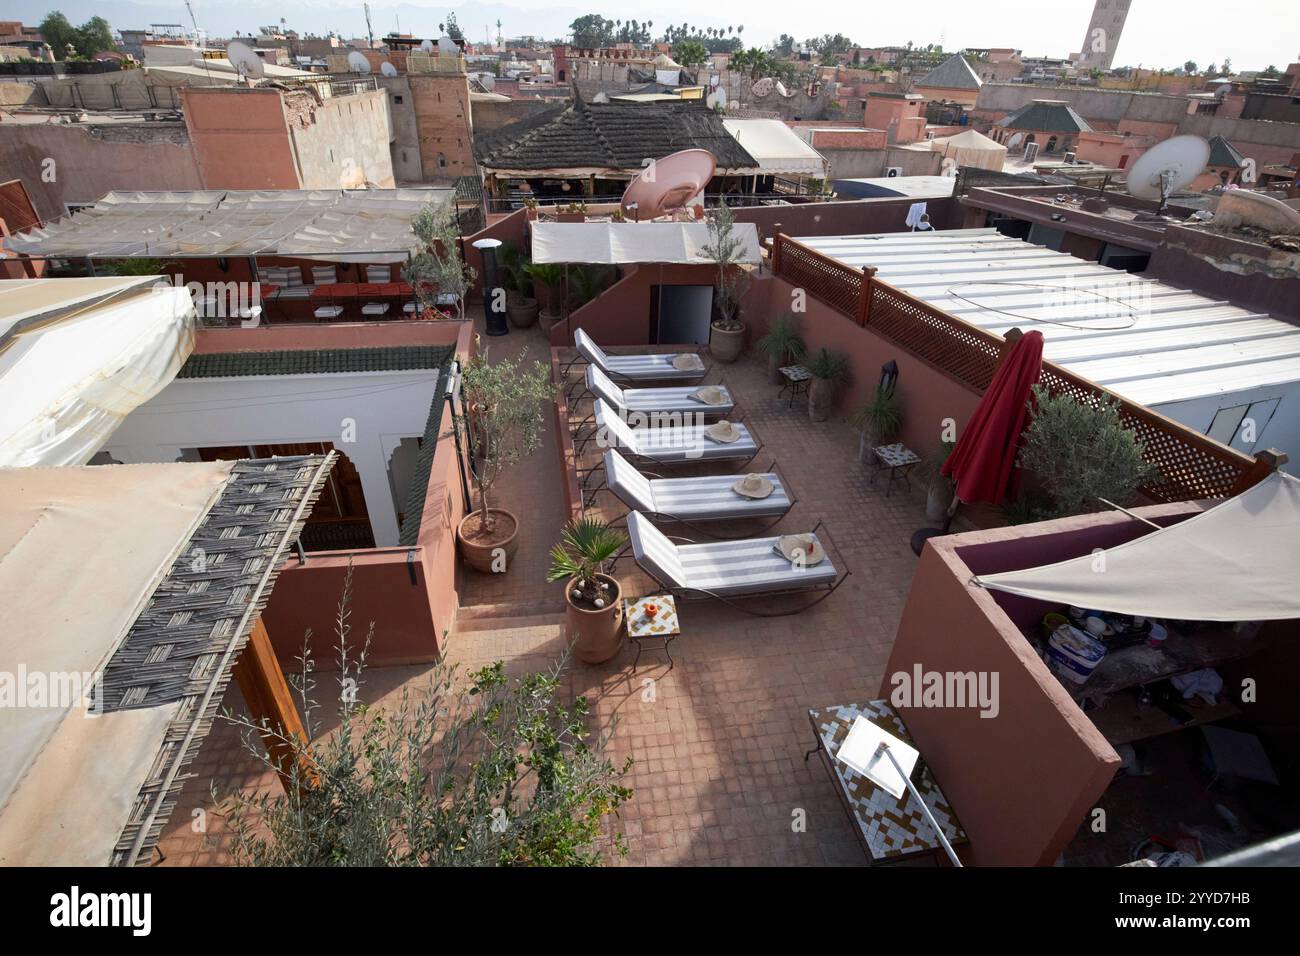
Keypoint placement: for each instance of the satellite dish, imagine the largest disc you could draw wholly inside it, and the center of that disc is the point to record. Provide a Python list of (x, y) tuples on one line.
[(426, 46), (244, 60), (489, 82), (668, 184), (387, 69), (357, 62), (717, 99), (1167, 167), (763, 87), (448, 47), (780, 89)]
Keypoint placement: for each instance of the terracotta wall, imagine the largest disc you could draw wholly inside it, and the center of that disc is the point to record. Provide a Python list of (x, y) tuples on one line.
[(410, 594), (621, 314), (229, 128), (846, 218), (511, 229), (928, 395)]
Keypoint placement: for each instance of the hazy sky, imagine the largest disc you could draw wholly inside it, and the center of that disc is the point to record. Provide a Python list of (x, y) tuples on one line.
[(1158, 32)]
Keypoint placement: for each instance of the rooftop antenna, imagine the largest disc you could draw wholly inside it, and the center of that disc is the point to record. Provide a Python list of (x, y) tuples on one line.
[(243, 59), (1167, 167), (370, 33)]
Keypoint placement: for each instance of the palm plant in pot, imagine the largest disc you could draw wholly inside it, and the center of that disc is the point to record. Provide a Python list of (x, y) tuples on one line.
[(548, 283), (879, 419), (727, 333), (521, 306), (782, 344), (594, 612), (830, 370), (502, 422)]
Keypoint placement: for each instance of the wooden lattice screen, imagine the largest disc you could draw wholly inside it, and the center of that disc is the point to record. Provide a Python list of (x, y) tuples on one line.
[(1191, 465)]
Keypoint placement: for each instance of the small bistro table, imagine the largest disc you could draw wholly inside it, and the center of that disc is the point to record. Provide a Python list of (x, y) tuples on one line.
[(797, 379), (889, 828), (898, 459), (665, 625)]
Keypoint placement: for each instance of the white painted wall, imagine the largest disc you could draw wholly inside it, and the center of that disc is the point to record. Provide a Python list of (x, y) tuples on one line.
[(385, 407), (1281, 431)]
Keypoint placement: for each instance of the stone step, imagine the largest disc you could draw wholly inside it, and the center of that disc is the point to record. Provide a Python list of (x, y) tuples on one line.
[(500, 617)]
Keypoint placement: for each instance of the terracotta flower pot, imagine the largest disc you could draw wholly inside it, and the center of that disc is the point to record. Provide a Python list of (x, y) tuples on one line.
[(937, 501), (596, 634), (725, 345), (821, 398), (483, 552), (549, 318), (522, 313), (774, 364)]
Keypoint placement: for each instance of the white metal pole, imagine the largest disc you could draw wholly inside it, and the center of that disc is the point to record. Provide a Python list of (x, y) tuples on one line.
[(924, 809)]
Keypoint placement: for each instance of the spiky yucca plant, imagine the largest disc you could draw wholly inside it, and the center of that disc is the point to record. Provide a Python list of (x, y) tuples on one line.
[(585, 549)]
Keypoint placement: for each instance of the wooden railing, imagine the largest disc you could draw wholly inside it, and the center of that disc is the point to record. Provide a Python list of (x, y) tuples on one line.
[(1191, 465)]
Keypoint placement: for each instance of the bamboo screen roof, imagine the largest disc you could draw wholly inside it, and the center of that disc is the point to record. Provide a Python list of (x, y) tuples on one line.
[(362, 225), (179, 609)]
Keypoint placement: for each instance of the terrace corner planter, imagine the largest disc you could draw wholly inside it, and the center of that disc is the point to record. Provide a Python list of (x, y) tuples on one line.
[(570, 217), (481, 551), (596, 633), (821, 398), (550, 318), (937, 501), (725, 345), (522, 313)]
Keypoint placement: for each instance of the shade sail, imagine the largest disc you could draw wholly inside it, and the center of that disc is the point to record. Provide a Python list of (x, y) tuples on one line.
[(361, 225), (1238, 561), (79, 355), (614, 243), (778, 148)]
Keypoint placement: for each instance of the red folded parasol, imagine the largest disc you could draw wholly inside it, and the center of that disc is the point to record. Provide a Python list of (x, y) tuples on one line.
[(983, 464)]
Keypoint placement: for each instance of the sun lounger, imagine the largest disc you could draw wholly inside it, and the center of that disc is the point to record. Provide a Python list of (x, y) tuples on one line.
[(667, 445), (693, 501), (632, 368), (731, 571), (655, 401)]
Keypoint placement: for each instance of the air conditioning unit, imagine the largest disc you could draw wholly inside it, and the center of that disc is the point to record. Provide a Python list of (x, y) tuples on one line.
[(893, 172), (1031, 152)]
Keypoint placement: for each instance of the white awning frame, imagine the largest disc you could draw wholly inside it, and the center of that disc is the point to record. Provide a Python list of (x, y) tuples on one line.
[(627, 243)]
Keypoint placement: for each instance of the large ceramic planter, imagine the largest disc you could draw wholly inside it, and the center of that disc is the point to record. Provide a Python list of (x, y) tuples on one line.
[(821, 398), (937, 501), (595, 634), (522, 313), (485, 553), (774, 365), (549, 319), (725, 345)]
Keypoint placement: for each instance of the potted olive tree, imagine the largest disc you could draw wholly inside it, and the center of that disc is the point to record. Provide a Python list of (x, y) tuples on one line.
[(521, 306), (438, 270), (939, 488), (502, 423), (830, 370), (594, 613), (727, 331), (879, 419), (782, 344)]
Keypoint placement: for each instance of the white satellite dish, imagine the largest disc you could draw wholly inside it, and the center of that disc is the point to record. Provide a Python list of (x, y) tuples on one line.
[(1015, 140), (489, 82), (243, 59), (387, 69), (426, 46), (780, 89), (1168, 167), (717, 99), (448, 47), (357, 62), (763, 87)]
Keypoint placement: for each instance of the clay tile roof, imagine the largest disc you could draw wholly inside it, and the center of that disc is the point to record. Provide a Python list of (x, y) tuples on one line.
[(609, 136), (315, 361), (953, 73)]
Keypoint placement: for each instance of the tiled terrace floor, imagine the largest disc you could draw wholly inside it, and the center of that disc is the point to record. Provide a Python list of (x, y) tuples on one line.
[(718, 740)]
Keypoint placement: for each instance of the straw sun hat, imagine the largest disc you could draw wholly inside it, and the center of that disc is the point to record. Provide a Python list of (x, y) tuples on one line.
[(723, 431), (801, 547), (710, 395), (752, 486), (686, 362)]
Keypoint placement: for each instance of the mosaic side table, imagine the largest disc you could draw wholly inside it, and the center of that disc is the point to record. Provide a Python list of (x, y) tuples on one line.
[(797, 379), (665, 625), (899, 460), (889, 828)]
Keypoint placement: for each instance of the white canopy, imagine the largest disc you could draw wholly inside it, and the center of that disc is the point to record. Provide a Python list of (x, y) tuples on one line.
[(613, 243), (778, 148), (971, 148), (79, 355), (1238, 561)]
